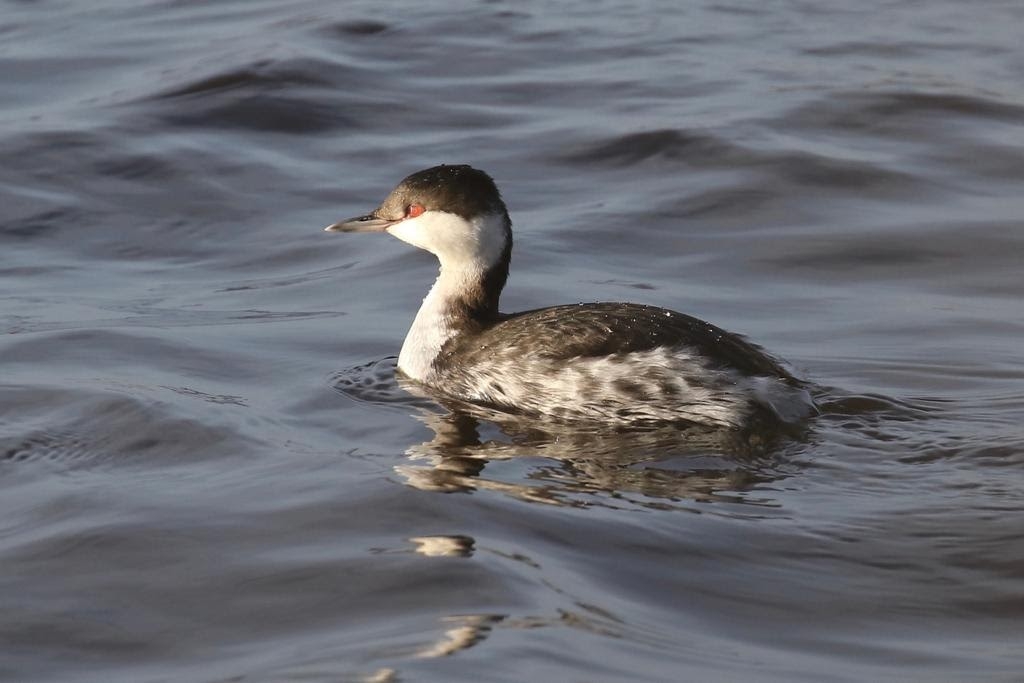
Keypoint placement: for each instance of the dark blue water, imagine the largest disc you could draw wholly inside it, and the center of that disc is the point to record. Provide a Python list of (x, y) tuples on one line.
[(208, 471)]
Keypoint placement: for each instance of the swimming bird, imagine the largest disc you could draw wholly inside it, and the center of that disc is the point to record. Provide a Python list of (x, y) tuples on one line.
[(619, 364)]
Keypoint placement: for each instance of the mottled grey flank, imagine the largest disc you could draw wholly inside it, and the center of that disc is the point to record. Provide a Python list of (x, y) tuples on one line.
[(614, 363)]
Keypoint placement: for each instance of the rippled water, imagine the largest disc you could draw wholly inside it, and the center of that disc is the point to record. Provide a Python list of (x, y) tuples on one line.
[(208, 471)]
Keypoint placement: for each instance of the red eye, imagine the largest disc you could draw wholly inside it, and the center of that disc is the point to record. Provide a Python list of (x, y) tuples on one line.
[(414, 210)]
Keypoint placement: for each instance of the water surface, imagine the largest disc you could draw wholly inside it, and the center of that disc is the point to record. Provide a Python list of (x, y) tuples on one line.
[(208, 471)]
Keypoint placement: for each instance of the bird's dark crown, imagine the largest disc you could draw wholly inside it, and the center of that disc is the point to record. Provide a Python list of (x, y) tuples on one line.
[(460, 189)]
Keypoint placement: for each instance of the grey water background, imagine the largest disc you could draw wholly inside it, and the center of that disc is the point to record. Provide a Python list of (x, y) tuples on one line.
[(208, 471)]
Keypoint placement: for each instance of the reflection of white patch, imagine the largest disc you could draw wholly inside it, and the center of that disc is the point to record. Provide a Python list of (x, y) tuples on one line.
[(443, 546), (466, 249), (386, 675), (469, 631)]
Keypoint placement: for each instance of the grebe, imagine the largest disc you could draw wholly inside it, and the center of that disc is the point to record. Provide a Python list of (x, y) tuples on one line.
[(615, 363)]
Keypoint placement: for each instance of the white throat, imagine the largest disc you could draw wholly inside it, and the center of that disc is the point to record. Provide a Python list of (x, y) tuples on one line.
[(466, 249)]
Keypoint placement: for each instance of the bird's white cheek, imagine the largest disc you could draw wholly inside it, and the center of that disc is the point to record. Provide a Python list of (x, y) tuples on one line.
[(409, 231), (441, 233)]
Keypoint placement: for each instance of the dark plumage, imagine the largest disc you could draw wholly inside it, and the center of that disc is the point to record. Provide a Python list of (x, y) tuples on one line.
[(606, 329), (459, 189)]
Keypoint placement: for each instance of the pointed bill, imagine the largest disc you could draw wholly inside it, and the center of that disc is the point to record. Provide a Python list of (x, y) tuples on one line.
[(367, 223)]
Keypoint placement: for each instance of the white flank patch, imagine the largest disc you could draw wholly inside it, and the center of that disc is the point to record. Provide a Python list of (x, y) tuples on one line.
[(606, 389)]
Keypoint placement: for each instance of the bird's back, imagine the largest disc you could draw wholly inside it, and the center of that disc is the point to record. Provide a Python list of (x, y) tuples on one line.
[(594, 330)]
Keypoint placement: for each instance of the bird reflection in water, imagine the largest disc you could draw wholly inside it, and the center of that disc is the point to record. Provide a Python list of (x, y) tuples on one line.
[(463, 631), (649, 468), (569, 465), (475, 449)]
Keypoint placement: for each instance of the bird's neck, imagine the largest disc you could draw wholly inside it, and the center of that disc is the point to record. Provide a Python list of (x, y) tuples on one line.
[(463, 300)]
